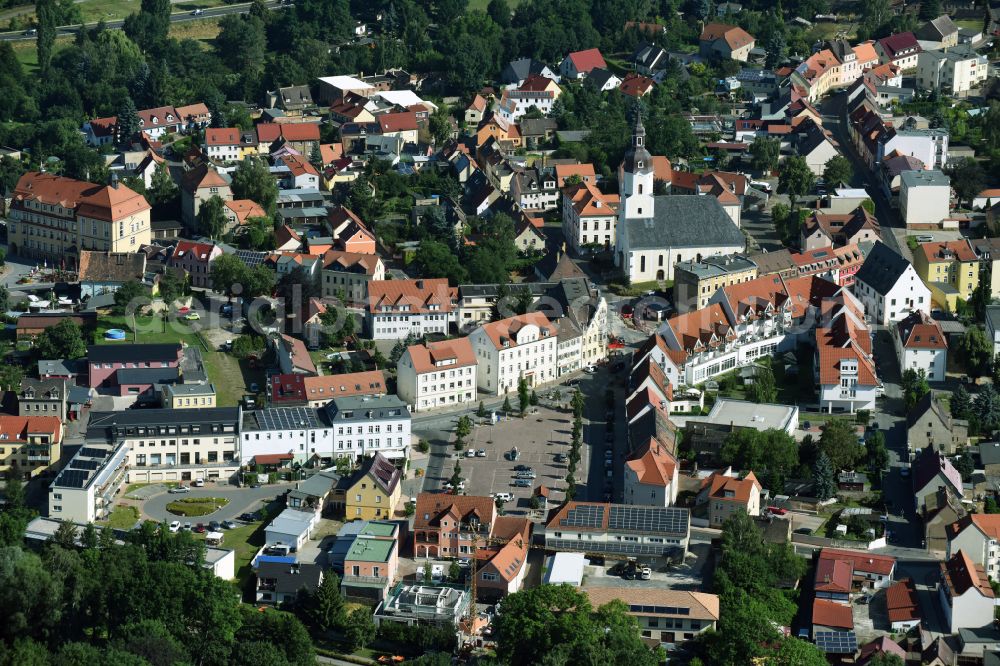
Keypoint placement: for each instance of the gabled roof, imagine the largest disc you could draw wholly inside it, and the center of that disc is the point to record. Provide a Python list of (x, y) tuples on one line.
[(111, 266), (441, 355), (901, 602), (937, 29), (350, 262), (636, 85), (928, 403), (729, 489), (380, 469), (918, 331), (826, 613), (958, 250), (411, 296), (222, 136), (201, 252), (507, 559), (298, 354), (328, 387), (893, 45), (660, 602), (928, 465), (18, 428), (203, 176), (433, 507), (833, 575), (244, 209), (863, 562), (652, 464), (102, 202), (503, 333), (397, 122), (734, 36), (584, 61), (960, 574), (882, 268)]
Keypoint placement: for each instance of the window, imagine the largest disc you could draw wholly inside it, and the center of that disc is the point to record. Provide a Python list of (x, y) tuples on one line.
[(489, 576)]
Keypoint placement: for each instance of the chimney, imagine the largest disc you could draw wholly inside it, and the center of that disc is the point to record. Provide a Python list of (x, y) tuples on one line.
[(114, 180)]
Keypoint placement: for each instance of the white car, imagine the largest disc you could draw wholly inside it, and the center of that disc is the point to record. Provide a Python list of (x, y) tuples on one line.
[(471, 453), (590, 369), (175, 526), (645, 573), (503, 497)]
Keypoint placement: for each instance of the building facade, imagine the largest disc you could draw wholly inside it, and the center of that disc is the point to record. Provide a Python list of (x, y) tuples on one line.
[(438, 374), (695, 282), (53, 218), (521, 347), (924, 197), (397, 308)]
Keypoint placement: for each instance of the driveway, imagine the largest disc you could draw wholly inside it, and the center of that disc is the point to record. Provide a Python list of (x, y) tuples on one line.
[(241, 500)]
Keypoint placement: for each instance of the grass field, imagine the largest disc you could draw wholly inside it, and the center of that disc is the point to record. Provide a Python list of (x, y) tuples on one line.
[(190, 507), (113, 10), (122, 517), (483, 4), (148, 330)]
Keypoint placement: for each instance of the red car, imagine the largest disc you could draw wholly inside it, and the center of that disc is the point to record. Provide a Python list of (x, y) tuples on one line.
[(627, 311), (200, 528), (778, 511)]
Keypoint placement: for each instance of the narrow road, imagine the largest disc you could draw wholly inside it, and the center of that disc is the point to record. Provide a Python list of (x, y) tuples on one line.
[(176, 17), (834, 120)]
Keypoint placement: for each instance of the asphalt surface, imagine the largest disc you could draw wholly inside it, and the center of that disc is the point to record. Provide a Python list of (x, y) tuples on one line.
[(176, 17), (241, 500)]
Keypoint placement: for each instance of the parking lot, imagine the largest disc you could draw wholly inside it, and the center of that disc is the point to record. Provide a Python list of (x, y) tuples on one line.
[(539, 437)]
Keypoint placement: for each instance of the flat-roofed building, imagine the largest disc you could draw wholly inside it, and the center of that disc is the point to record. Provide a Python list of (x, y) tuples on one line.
[(85, 490), (695, 282)]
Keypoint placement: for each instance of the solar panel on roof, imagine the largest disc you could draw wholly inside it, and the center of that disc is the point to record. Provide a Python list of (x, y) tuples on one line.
[(837, 642), (287, 419), (84, 464), (647, 519), (584, 516), (74, 478), (251, 258), (92, 453)]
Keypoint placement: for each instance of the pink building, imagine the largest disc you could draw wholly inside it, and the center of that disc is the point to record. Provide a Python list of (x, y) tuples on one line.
[(195, 259), (371, 564), (105, 361)]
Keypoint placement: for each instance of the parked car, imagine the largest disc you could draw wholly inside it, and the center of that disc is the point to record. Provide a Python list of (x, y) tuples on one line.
[(254, 387), (503, 497), (192, 316), (214, 526), (198, 12), (471, 453), (481, 453), (246, 517), (776, 510), (645, 573), (521, 468), (524, 475), (198, 483), (200, 528), (522, 483), (175, 526), (186, 527), (228, 525), (561, 457), (590, 369), (178, 490)]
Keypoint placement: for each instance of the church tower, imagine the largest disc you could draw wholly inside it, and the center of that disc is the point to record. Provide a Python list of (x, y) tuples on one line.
[(636, 178)]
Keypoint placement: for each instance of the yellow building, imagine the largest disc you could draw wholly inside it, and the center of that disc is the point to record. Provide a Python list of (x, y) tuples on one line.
[(54, 218), (950, 269), (189, 396), (695, 282), (30, 444), (374, 490)]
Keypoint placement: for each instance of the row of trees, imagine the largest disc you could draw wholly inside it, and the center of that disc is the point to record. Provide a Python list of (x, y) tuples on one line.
[(577, 402)]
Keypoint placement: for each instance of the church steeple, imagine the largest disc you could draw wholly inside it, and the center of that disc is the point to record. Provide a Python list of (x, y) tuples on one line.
[(636, 177)]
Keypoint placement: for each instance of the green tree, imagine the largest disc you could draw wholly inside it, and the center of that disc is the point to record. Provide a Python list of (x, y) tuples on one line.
[(127, 125), (795, 179), (523, 396), (961, 403), (507, 409), (838, 171), (439, 125), (794, 652), (481, 410), (578, 403), (915, 387), (227, 271), (986, 410), (764, 153), (454, 571), (252, 180), (886, 658), (456, 474), (878, 455), (763, 389), (360, 629), (65, 535), (436, 260), (64, 340), (772, 454), (131, 292), (162, 188), (46, 13), (929, 10), (976, 351), (172, 285), (556, 624), (824, 483), (324, 607), (212, 218), (965, 466), (463, 427), (840, 443), (967, 178)]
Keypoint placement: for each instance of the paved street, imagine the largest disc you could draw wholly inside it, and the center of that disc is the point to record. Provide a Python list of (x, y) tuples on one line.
[(241, 500)]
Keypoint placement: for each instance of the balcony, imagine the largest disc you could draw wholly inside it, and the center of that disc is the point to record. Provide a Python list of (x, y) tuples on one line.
[(40, 458), (365, 581)]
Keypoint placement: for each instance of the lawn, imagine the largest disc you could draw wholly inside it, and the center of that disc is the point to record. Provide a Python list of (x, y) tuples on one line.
[(481, 5), (191, 507), (148, 330), (122, 517), (110, 10), (231, 377), (247, 539)]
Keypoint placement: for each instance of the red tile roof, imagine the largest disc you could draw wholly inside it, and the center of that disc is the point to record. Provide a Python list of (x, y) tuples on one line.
[(901, 601), (272, 458), (328, 387), (729, 489), (564, 171), (504, 332), (222, 136), (734, 36), (652, 463), (101, 202), (433, 507), (959, 250), (584, 61), (397, 122), (918, 331), (831, 614), (862, 562), (201, 251), (244, 209), (833, 576), (18, 428), (960, 574), (416, 295), (899, 42), (442, 355), (636, 85)]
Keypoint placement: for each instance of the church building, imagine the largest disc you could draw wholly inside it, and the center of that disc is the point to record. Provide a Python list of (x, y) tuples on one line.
[(656, 232)]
